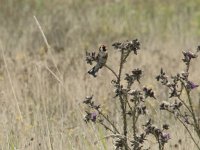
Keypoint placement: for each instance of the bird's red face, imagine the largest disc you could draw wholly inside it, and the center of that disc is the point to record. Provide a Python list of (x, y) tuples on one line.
[(102, 48)]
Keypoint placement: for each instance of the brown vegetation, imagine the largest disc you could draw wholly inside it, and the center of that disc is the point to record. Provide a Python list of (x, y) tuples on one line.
[(41, 90)]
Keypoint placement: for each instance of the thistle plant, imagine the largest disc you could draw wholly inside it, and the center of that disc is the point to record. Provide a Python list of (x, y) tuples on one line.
[(182, 105), (132, 101)]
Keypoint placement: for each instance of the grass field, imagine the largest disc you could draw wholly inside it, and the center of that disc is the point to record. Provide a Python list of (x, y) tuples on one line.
[(41, 90)]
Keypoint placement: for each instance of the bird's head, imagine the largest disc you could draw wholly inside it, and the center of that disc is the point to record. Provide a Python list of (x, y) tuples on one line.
[(102, 48)]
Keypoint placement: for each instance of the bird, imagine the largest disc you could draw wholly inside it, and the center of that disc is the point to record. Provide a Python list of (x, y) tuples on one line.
[(100, 59)]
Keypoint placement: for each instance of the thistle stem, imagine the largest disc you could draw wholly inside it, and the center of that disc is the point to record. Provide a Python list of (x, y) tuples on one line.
[(123, 103), (114, 73)]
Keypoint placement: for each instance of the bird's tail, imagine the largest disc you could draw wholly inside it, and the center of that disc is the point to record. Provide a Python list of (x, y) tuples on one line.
[(93, 71)]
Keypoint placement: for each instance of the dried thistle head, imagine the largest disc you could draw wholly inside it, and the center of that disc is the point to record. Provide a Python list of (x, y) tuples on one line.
[(198, 48), (161, 136), (165, 126), (137, 96), (188, 56), (90, 57), (141, 110), (164, 105), (88, 99), (162, 77), (90, 103), (148, 92), (129, 46)]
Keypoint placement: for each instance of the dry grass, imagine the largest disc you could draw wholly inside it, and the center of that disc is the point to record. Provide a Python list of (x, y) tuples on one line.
[(41, 106)]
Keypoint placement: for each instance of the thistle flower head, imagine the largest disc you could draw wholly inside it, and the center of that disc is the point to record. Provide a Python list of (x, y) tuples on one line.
[(190, 85), (90, 117), (93, 116), (165, 137)]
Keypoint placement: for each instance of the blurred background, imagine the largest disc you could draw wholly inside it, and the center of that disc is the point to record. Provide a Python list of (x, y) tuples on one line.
[(41, 90)]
